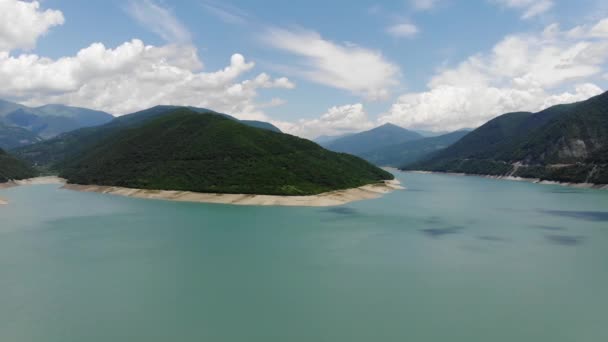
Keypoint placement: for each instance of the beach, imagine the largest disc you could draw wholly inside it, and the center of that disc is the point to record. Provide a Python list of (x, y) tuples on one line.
[(333, 198), (521, 179), (328, 199)]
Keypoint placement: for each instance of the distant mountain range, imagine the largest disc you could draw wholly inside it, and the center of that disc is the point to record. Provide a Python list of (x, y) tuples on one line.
[(360, 143), (12, 168), (567, 143), (390, 145), (50, 120), (182, 149), (411, 151)]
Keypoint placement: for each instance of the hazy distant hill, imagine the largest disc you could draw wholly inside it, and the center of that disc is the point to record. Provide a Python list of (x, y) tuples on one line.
[(49, 152), (184, 150), (411, 151), (324, 140), (50, 120), (11, 168), (359, 143), (566, 143), (11, 137)]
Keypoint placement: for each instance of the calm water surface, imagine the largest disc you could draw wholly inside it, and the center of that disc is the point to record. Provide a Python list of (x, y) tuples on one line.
[(451, 259)]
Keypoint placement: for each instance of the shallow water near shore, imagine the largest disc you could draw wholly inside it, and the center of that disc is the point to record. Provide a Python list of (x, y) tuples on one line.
[(450, 259)]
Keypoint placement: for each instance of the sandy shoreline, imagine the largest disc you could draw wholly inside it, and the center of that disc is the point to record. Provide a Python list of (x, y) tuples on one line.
[(520, 179), (30, 181), (333, 198)]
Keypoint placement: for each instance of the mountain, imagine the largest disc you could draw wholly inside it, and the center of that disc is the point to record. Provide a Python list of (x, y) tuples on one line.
[(11, 137), (50, 120), (411, 151), (385, 135), (567, 143), (48, 153), (12, 168), (184, 150), (324, 140)]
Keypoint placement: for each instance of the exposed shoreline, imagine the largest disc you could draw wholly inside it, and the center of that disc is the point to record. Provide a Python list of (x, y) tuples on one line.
[(333, 198), (30, 181), (521, 179)]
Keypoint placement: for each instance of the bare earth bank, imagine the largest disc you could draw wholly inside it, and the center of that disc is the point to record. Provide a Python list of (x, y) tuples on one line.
[(327, 199), (530, 180)]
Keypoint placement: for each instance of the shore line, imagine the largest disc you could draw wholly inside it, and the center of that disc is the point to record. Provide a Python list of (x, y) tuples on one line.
[(327, 199), (520, 179)]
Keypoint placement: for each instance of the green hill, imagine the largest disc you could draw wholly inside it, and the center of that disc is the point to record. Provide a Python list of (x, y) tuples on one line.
[(567, 143), (411, 151), (184, 150), (360, 143), (12, 137), (47, 154), (50, 120), (12, 168)]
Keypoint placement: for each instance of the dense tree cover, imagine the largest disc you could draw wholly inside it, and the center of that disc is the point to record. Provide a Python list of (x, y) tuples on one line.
[(566, 143), (12, 168), (50, 153), (184, 150)]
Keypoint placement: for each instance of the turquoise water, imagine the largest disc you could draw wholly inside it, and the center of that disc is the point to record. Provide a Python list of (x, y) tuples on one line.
[(451, 259)]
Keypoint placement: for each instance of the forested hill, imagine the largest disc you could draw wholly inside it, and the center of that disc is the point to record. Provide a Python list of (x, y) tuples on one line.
[(184, 150), (567, 143), (12, 168)]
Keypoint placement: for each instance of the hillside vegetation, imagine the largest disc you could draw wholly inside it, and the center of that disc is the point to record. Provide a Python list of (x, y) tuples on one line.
[(50, 153), (567, 143), (183, 150), (12, 168)]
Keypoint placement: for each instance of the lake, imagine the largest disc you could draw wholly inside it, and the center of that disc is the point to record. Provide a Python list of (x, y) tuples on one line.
[(450, 259)]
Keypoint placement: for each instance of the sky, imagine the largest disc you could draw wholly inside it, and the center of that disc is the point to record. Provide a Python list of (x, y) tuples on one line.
[(310, 67)]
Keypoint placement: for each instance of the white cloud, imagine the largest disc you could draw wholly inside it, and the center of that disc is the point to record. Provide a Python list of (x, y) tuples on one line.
[(22, 23), (336, 121), (130, 77), (227, 13), (522, 73), (134, 76), (600, 29), (159, 20), (423, 5), (358, 70), (405, 30), (530, 8)]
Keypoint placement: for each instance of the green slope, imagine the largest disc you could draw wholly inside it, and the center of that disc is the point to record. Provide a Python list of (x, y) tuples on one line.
[(184, 150), (12, 168), (385, 135), (566, 143), (48, 153), (12, 137), (411, 151)]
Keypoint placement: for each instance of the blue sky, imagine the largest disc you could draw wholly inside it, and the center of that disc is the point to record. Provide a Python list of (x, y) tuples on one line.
[(328, 67)]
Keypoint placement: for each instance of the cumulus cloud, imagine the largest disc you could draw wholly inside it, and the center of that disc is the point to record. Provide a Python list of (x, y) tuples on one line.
[(336, 121), (22, 23), (159, 20), (358, 70), (405, 30), (521, 73), (530, 8), (129, 77), (423, 5)]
